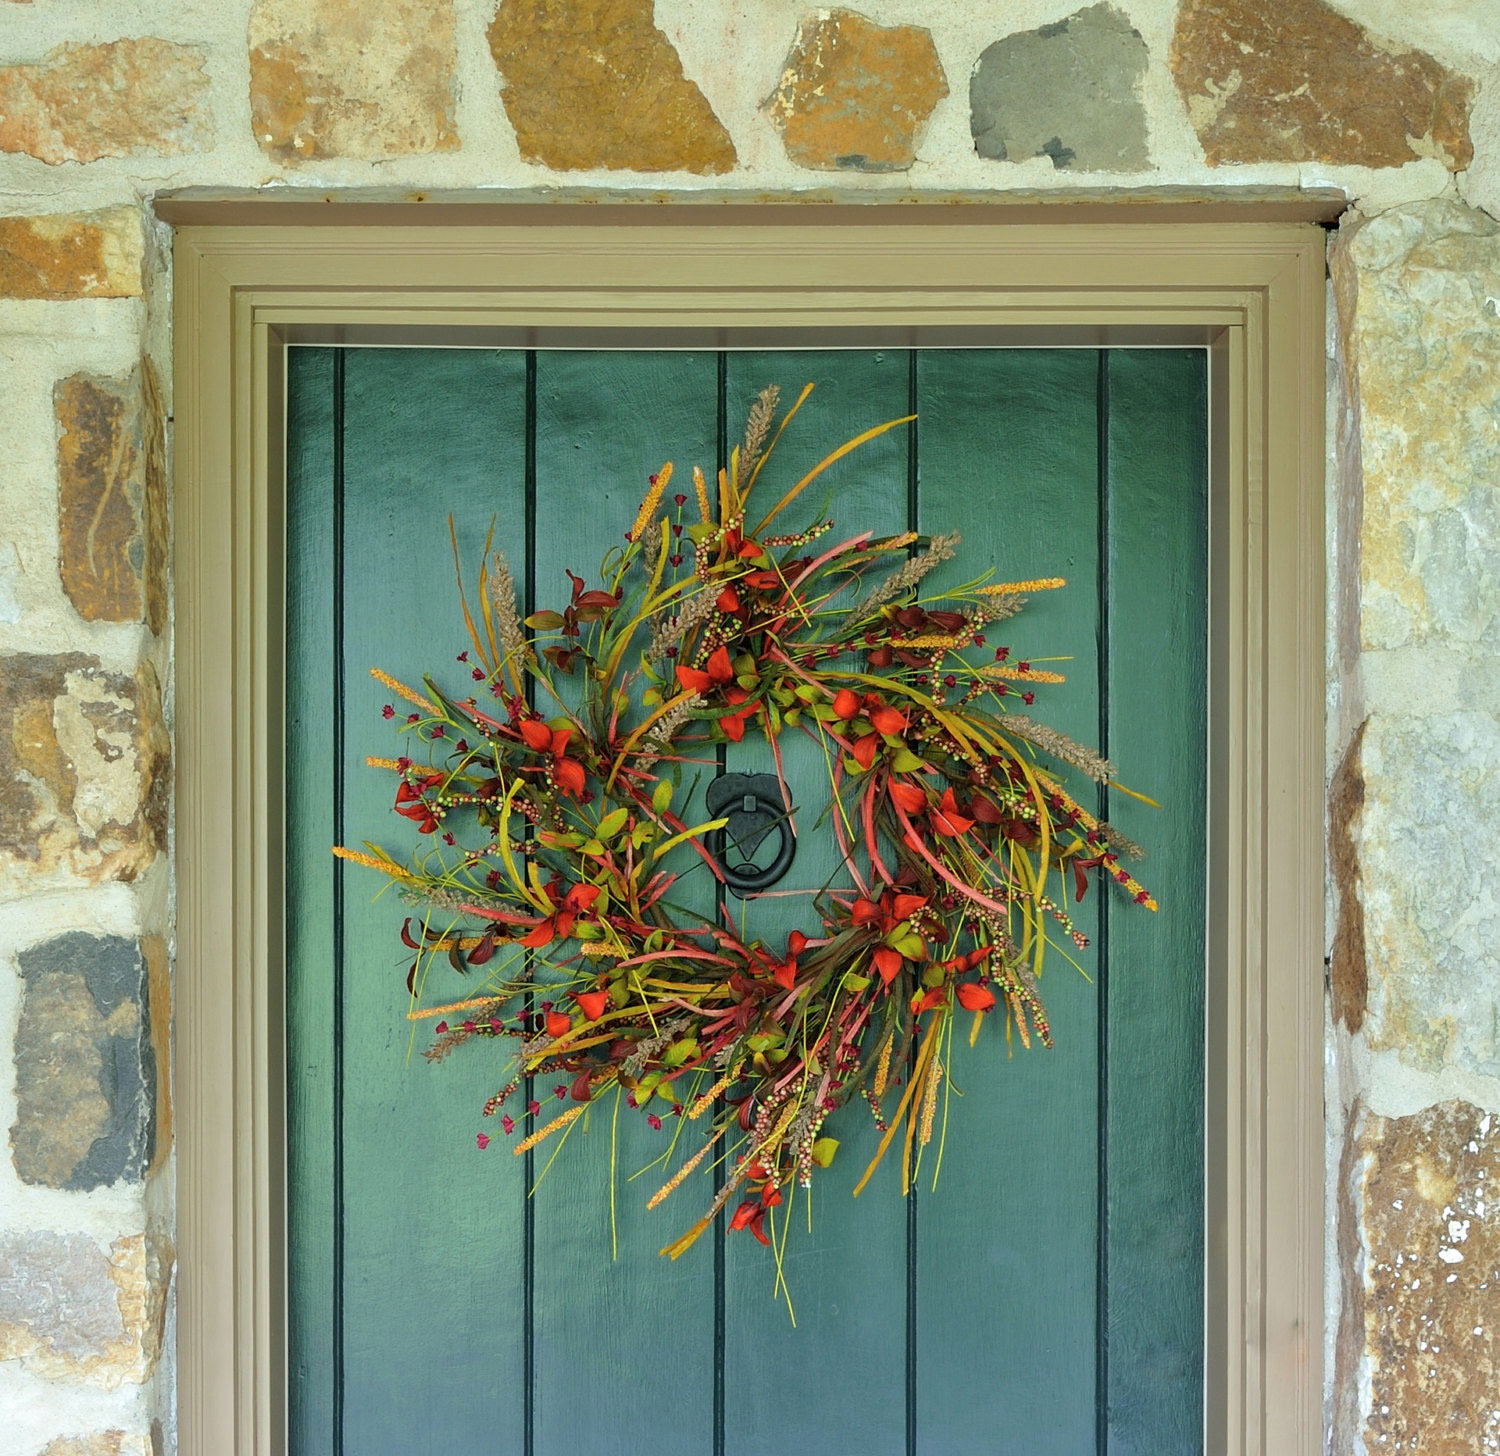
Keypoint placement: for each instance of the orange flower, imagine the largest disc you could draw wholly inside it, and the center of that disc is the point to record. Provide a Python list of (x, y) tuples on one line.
[(566, 909), (717, 671), (945, 817), (975, 998), (592, 1003)]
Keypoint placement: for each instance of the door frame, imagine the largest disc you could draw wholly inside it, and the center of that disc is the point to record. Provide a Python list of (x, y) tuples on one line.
[(1246, 281)]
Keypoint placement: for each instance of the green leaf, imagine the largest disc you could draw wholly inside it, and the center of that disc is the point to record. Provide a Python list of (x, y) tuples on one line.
[(591, 846), (680, 1052), (903, 760), (612, 823), (909, 944), (823, 1150), (665, 1092), (545, 621), (857, 983), (661, 796)]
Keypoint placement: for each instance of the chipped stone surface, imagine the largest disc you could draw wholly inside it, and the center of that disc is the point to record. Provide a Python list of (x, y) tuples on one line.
[(594, 84), (72, 1310), (856, 96), (1428, 1198), (113, 1442), (112, 505), (86, 1064), (1426, 334), (1431, 889), (338, 78), (68, 255), (1347, 969), (1069, 91), (84, 777), (1299, 81), (84, 102)]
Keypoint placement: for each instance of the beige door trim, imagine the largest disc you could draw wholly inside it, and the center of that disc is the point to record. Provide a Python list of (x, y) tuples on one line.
[(1253, 292)]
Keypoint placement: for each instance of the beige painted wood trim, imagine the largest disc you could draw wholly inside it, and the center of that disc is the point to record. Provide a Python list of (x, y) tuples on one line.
[(1252, 292)]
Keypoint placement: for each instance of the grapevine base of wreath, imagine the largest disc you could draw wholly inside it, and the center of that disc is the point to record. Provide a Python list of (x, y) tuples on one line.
[(549, 805)]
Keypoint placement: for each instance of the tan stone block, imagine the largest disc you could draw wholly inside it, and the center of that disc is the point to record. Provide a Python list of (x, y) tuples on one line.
[(111, 466), (594, 84), (84, 772), (70, 255), (338, 78), (1422, 284), (855, 96), (1430, 888), (1298, 81), (69, 1310), (1425, 1319), (84, 102), (113, 1442)]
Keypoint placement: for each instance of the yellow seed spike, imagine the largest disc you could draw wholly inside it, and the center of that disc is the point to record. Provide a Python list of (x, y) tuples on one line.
[(370, 862), (883, 1067), (1021, 674), (372, 762), (707, 1100), (676, 1180), (931, 640), (401, 690), (474, 1003), (556, 1125), (705, 511), (929, 1102), (1017, 588), (652, 500)]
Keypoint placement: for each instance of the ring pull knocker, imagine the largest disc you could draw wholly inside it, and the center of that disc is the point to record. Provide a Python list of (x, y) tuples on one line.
[(753, 805)]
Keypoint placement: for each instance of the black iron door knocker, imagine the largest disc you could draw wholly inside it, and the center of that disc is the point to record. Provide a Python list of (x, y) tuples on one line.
[(753, 806)]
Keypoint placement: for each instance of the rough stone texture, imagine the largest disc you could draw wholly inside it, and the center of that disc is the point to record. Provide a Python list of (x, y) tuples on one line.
[(1300, 82), (595, 84), (1431, 889), (85, 1064), (158, 1024), (1425, 1194), (1348, 974), (71, 1310), (338, 78), (1426, 334), (112, 505), (83, 102), (856, 96), (67, 255), (1069, 91), (84, 776), (100, 1443)]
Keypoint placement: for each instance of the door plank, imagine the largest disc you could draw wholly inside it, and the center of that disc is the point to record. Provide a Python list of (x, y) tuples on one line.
[(1007, 1244), (607, 1331), (812, 1386), (1158, 454), (432, 1226)]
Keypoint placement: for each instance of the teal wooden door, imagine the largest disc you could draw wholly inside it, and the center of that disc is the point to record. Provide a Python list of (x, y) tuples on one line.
[(1046, 1299)]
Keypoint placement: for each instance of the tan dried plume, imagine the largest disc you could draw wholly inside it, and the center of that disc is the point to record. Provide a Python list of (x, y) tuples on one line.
[(762, 415), (1060, 746)]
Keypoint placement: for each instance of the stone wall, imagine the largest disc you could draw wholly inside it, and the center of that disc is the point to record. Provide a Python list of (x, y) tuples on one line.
[(102, 106)]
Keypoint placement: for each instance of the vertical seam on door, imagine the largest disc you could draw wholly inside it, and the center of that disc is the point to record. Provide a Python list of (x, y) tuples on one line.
[(528, 1211), (338, 904), (1101, 1270), (913, 516), (721, 452)]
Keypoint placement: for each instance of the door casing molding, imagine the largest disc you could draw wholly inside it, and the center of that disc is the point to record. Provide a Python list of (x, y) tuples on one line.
[(1251, 291)]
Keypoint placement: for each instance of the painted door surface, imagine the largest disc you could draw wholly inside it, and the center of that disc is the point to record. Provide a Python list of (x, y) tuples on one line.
[(1046, 1299)]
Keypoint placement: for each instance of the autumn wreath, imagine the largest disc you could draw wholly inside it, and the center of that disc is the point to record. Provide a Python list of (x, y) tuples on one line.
[(552, 805)]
